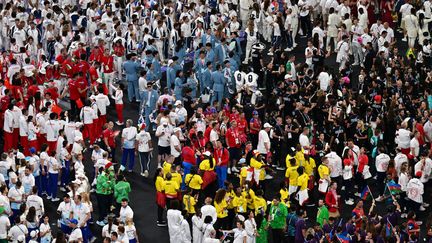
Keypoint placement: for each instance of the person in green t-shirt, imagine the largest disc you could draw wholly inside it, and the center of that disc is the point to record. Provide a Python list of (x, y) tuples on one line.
[(323, 213), (277, 219), (262, 226), (104, 189), (121, 189)]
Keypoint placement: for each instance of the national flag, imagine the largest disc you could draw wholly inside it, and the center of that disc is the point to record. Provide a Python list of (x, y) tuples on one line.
[(365, 193), (394, 188), (343, 238), (389, 228)]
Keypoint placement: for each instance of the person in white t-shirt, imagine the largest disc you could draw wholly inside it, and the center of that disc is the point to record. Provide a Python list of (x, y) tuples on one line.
[(304, 139), (145, 147), (126, 211), (264, 140), (403, 138), (4, 224), (33, 200), (415, 190), (175, 145), (53, 170), (214, 135), (163, 132), (76, 233), (102, 102), (128, 144), (381, 162), (52, 127)]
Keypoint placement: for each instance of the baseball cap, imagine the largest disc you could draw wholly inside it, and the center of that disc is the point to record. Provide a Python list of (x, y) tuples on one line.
[(267, 125)]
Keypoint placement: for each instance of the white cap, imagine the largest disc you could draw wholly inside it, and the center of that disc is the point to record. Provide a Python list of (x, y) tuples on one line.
[(178, 102), (267, 125), (170, 61), (207, 153), (287, 76), (242, 161), (34, 233), (177, 129)]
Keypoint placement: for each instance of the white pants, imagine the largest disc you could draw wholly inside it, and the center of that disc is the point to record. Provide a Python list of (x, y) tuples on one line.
[(109, 79), (411, 41), (159, 46), (294, 29), (248, 51), (118, 62)]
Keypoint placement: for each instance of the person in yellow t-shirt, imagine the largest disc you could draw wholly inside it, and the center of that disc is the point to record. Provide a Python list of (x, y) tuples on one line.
[(206, 164), (175, 174), (239, 202), (299, 155), (160, 196), (309, 164), (249, 195), (259, 167), (171, 189), (221, 205), (243, 170), (260, 203), (193, 180), (324, 174), (291, 175), (167, 164), (284, 193), (290, 156), (189, 203), (302, 183)]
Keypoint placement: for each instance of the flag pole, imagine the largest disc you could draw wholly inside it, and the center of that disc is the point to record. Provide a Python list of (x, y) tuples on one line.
[(370, 191)]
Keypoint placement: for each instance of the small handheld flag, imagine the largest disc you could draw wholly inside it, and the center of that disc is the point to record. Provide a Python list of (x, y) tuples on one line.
[(365, 193), (393, 188)]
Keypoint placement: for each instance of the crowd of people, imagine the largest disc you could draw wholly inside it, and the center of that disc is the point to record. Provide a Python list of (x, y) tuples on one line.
[(243, 141)]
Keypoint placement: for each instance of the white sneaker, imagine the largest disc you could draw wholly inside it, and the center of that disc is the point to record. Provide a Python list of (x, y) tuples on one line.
[(100, 223), (119, 123), (62, 189), (422, 208), (280, 168), (419, 223), (287, 49), (270, 54), (343, 188), (404, 39), (425, 205), (294, 45), (142, 174), (55, 199), (349, 202), (404, 215), (146, 173), (268, 177), (357, 194), (229, 171), (49, 197), (234, 170), (245, 62)]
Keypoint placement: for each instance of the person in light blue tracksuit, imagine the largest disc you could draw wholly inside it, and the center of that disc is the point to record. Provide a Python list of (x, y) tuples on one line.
[(131, 68), (170, 75), (221, 52), (218, 80), (178, 85), (148, 103), (206, 79)]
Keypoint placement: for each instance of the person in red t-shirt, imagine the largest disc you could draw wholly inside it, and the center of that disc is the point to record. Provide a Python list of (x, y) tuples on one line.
[(255, 127), (189, 159), (74, 95), (68, 68), (108, 68), (82, 65), (222, 157), (82, 85), (232, 138), (108, 136), (93, 72), (119, 52)]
